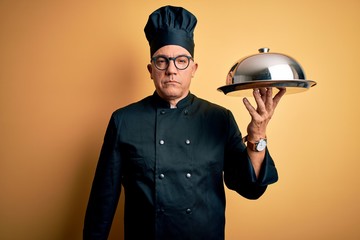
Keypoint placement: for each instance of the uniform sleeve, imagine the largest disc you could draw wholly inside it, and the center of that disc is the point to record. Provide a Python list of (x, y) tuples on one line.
[(106, 187), (239, 174)]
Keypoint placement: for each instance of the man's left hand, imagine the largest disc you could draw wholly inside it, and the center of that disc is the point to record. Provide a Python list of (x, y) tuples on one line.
[(261, 115)]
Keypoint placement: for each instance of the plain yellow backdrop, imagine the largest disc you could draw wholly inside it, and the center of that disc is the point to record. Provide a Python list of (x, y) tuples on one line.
[(66, 65)]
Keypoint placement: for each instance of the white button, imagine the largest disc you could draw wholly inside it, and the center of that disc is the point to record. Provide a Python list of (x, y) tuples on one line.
[(161, 210), (188, 175), (161, 176), (162, 142), (187, 141)]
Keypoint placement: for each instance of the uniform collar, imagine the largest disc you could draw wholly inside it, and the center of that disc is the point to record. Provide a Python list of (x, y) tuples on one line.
[(161, 103)]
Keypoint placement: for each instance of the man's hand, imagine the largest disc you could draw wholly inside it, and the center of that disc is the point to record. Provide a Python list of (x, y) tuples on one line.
[(264, 111), (260, 118)]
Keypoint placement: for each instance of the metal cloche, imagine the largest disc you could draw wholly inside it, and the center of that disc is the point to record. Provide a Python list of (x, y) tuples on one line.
[(264, 70)]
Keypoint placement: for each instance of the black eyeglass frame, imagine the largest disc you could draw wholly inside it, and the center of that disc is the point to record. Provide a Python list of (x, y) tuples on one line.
[(168, 59)]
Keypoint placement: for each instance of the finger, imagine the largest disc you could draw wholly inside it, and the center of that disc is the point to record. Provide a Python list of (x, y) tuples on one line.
[(269, 100), (263, 92), (250, 108), (278, 96), (259, 99)]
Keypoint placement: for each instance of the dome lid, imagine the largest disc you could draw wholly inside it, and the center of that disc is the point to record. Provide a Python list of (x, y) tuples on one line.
[(263, 70)]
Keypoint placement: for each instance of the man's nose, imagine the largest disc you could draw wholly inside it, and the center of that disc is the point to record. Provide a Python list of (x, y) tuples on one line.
[(171, 68)]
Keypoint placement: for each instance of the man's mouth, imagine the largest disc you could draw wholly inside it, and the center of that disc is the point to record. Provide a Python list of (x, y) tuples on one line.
[(171, 82)]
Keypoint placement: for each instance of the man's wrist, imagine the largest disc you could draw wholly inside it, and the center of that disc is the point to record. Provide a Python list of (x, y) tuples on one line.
[(255, 137), (256, 146)]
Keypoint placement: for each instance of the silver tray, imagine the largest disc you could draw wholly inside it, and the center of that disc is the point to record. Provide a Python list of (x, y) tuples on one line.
[(246, 88)]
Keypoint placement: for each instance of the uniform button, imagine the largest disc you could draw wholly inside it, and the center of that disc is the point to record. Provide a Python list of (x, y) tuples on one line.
[(162, 112), (186, 112), (187, 141), (161, 176), (160, 210), (161, 142), (188, 211), (188, 175)]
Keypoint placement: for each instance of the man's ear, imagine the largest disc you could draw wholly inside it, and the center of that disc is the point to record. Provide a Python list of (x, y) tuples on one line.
[(194, 69), (150, 70)]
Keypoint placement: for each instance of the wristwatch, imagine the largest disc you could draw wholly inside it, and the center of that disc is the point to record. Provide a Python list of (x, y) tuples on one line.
[(256, 146)]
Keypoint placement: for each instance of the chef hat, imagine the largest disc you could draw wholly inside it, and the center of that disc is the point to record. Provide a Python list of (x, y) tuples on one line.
[(171, 25)]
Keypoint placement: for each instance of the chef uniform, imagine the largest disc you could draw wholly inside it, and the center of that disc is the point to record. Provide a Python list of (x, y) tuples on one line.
[(172, 163)]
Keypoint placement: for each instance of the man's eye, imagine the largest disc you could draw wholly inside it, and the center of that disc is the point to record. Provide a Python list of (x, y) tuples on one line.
[(182, 60)]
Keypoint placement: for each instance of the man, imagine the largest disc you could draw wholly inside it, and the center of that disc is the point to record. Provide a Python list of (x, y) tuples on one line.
[(172, 151)]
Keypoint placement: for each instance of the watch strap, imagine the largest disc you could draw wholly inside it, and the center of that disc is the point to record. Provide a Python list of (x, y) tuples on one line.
[(252, 145)]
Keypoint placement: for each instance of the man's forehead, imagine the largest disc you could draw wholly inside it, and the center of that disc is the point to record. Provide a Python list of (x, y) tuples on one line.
[(172, 50)]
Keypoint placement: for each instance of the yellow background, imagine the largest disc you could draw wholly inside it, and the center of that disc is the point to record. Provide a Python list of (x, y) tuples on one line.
[(66, 65)]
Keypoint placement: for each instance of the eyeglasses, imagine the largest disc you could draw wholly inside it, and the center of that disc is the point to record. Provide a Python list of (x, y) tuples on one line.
[(181, 62)]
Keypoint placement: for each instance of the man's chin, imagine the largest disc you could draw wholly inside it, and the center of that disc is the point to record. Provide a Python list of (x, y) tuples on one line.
[(171, 95)]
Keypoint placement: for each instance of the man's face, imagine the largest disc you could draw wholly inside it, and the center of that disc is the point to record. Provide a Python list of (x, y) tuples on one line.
[(172, 84)]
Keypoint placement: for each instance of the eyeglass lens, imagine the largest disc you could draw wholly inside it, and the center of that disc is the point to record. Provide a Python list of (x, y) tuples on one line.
[(181, 62)]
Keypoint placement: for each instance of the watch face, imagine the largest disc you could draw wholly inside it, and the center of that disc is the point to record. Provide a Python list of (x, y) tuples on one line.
[(261, 145)]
